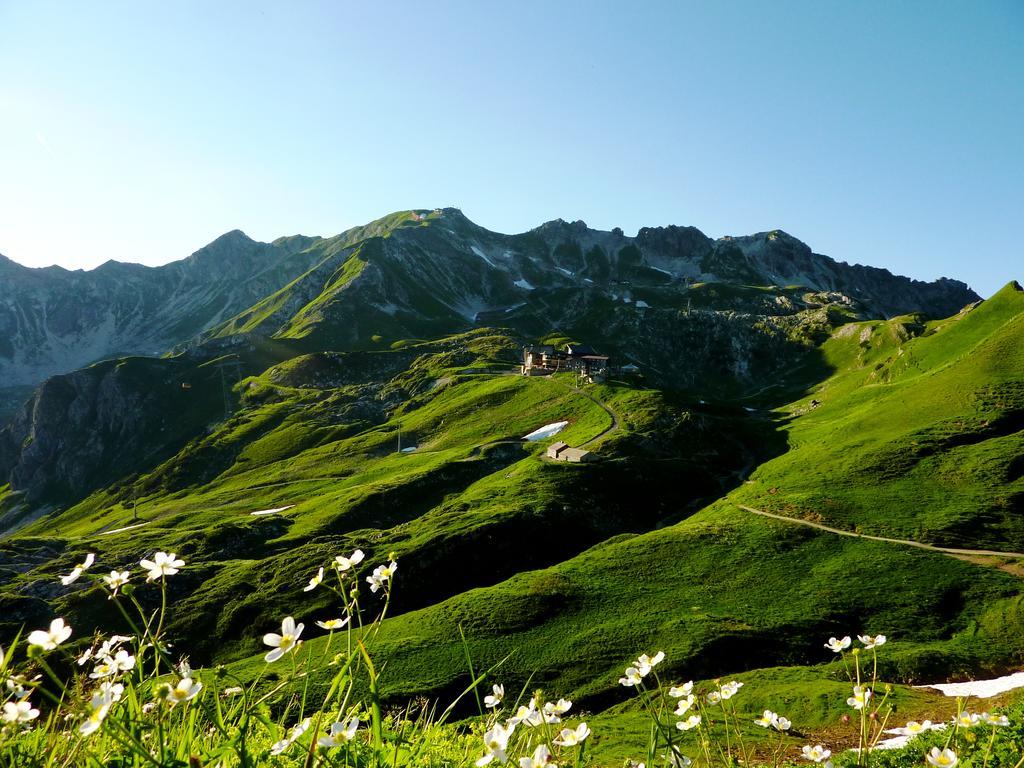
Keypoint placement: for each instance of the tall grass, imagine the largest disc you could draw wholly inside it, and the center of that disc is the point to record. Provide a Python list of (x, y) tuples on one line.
[(133, 700)]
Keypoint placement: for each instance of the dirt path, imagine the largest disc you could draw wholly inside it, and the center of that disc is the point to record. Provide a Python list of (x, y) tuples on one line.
[(613, 427), (839, 532)]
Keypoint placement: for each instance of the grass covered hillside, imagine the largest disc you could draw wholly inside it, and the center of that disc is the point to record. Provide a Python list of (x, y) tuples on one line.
[(557, 575), (317, 438), (918, 434)]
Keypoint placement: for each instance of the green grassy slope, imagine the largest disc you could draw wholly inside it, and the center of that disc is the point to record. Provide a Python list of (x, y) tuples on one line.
[(724, 591), (919, 434), (721, 593), (319, 434)]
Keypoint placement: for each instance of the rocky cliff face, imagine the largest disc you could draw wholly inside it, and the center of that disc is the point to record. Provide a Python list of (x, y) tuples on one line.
[(53, 320)]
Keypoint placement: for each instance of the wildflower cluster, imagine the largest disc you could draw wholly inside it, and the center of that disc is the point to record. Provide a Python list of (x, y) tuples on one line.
[(129, 702), (529, 732)]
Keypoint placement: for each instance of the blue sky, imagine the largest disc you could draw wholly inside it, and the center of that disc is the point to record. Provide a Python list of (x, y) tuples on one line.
[(880, 133)]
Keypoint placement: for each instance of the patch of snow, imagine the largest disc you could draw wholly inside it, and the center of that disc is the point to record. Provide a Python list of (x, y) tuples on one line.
[(983, 689), (508, 254), (524, 284), (901, 740), (273, 511), (515, 307), (627, 300), (748, 409), (410, 449), (663, 271), (642, 304), (566, 271), (126, 528), (548, 430), (482, 255), (588, 280)]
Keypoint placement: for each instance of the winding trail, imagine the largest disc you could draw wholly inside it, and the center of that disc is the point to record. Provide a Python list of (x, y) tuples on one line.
[(905, 542), (611, 428)]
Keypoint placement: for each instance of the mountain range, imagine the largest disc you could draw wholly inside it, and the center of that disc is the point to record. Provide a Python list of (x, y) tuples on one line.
[(259, 408)]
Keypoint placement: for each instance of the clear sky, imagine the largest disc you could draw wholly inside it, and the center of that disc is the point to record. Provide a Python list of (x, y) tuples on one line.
[(888, 133)]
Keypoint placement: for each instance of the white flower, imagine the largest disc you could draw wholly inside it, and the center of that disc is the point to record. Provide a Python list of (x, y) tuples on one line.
[(381, 576), (631, 678), (994, 719), (860, 697), (817, 753), (677, 759), (78, 570), (782, 724), (315, 581), (185, 689), (730, 689), (19, 712), (559, 707), (541, 758), (768, 719), (50, 639), (99, 707), (872, 642), (333, 624), (838, 645), (343, 563), (340, 733), (162, 564), (286, 641), (116, 580), (683, 705), (232, 690), (945, 758), (966, 720), (570, 738), (714, 698), (679, 691), (110, 692), (528, 714), (691, 722), (16, 687), (494, 698), (495, 744), (293, 733), (914, 728), (646, 663), (122, 661)]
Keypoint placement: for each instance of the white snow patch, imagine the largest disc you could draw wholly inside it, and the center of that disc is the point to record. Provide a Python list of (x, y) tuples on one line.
[(588, 280), (482, 255), (126, 528), (410, 449), (663, 271), (983, 689), (548, 430), (273, 511), (627, 300), (642, 304), (523, 283), (566, 271), (901, 740), (748, 409), (515, 307)]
